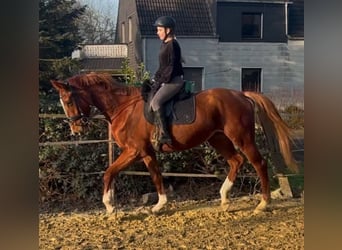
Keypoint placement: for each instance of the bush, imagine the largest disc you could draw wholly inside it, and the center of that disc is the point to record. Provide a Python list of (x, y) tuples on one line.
[(294, 117), (74, 172), (64, 169)]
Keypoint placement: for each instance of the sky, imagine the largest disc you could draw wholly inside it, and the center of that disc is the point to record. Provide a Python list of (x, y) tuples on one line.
[(106, 7)]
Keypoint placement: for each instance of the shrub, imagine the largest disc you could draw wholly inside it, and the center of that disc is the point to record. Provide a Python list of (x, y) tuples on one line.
[(294, 117)]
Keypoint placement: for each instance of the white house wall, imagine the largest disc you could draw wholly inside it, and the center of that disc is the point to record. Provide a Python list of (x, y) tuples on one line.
[(282, 65)]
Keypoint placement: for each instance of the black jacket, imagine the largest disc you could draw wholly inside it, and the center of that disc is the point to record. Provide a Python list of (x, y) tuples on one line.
[(170, 64)]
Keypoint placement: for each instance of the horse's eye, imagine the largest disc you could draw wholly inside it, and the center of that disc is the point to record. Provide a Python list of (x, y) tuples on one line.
[(69, 104)]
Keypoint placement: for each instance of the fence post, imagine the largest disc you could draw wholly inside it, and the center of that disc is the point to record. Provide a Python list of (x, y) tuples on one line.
[(110, 160), (110, 145)]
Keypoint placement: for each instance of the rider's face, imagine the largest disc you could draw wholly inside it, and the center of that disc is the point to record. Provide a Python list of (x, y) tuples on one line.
[(162, 32)]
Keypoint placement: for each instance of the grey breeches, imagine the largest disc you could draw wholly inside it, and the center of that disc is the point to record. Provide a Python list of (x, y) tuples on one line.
[(166, 92)]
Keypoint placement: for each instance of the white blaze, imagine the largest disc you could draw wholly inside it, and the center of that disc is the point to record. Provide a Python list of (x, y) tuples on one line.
[(63, 106)]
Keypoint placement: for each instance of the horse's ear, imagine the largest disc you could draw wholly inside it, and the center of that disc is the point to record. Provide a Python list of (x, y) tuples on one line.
[(58, 85)]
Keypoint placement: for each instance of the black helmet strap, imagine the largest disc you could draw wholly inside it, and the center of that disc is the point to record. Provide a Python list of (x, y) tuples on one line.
[(167, 34)]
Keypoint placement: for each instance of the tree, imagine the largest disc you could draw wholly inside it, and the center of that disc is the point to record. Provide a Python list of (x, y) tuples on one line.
[(99, 22), (96, 28), (58, 27), (58, 37)]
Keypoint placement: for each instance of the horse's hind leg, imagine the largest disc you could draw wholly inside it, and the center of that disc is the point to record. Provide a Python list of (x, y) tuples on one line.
[(249, 148), (234, 159)]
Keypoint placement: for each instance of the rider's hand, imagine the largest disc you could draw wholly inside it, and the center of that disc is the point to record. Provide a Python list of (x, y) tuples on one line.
[(154, 84)]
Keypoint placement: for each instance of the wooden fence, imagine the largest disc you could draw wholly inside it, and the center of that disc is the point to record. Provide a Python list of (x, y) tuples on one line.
[(111, 144)]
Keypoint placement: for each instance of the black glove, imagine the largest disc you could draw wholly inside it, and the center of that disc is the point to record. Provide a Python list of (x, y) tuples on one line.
[(155, 85), (145, 89)]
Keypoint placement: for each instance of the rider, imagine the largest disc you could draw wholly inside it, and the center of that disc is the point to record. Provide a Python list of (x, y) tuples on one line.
[(169, 75)]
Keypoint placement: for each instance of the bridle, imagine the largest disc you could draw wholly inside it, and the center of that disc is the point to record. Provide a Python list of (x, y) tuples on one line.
[(74, 98)]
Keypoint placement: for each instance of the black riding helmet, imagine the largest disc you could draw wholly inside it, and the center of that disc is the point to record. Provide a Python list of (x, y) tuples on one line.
[(166, 22)]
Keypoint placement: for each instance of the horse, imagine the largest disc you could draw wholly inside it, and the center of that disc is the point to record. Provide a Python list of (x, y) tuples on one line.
[(225, 118)]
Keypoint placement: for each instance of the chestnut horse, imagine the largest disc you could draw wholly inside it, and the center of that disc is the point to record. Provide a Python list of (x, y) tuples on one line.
[(225, 118)]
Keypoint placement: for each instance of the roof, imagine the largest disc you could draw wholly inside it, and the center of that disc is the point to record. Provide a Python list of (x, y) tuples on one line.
[(193, 17), (104, 57), (258, 1), (102, 64)]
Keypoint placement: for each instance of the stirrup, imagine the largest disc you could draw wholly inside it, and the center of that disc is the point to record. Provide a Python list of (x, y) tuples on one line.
[(165, 139)]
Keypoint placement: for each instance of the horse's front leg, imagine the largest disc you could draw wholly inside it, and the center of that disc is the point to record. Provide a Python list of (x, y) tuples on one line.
[(152, 166), (124, 160)]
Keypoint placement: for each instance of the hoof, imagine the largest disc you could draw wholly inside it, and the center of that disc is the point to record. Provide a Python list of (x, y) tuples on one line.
[(155, 210), (263, 205), (107, 199), (162, 200), (225, 206), (258, 211), (109, 209)]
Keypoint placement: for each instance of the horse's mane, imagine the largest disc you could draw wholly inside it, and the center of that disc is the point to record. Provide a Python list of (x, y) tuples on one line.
[(102, 79), (91, 79)]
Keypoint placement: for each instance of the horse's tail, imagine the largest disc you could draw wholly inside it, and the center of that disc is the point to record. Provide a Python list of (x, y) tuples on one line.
[(274, 128)]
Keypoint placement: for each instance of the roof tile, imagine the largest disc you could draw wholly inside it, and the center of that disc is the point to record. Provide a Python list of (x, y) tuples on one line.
[(102, 63), (193, 17)]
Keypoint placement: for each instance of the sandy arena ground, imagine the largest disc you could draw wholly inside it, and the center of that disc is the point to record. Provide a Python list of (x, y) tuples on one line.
[(180, 225)]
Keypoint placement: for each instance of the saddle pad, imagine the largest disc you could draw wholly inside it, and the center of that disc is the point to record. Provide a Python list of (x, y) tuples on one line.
[(182, 112)]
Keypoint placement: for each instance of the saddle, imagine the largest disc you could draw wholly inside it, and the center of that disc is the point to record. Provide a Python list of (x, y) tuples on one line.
[(180, 109)]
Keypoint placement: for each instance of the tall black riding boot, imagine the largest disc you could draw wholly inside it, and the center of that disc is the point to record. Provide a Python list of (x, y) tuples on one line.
[(163, 126)]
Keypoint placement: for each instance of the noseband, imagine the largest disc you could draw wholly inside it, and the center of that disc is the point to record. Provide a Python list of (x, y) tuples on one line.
[(84, 119)]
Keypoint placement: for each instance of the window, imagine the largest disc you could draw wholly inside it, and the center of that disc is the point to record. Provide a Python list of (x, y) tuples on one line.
[(251, 26), (194, 74), (251, 79), (130, 29), (123, 39)]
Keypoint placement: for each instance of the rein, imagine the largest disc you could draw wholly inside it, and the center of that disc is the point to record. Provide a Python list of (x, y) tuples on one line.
[(124, 105)]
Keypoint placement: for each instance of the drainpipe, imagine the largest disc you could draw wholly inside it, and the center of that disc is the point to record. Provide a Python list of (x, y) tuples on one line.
[(144, 52), (286, 21)]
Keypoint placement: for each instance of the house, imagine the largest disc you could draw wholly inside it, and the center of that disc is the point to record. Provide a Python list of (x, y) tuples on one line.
[(253, 45), (107, 58)]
